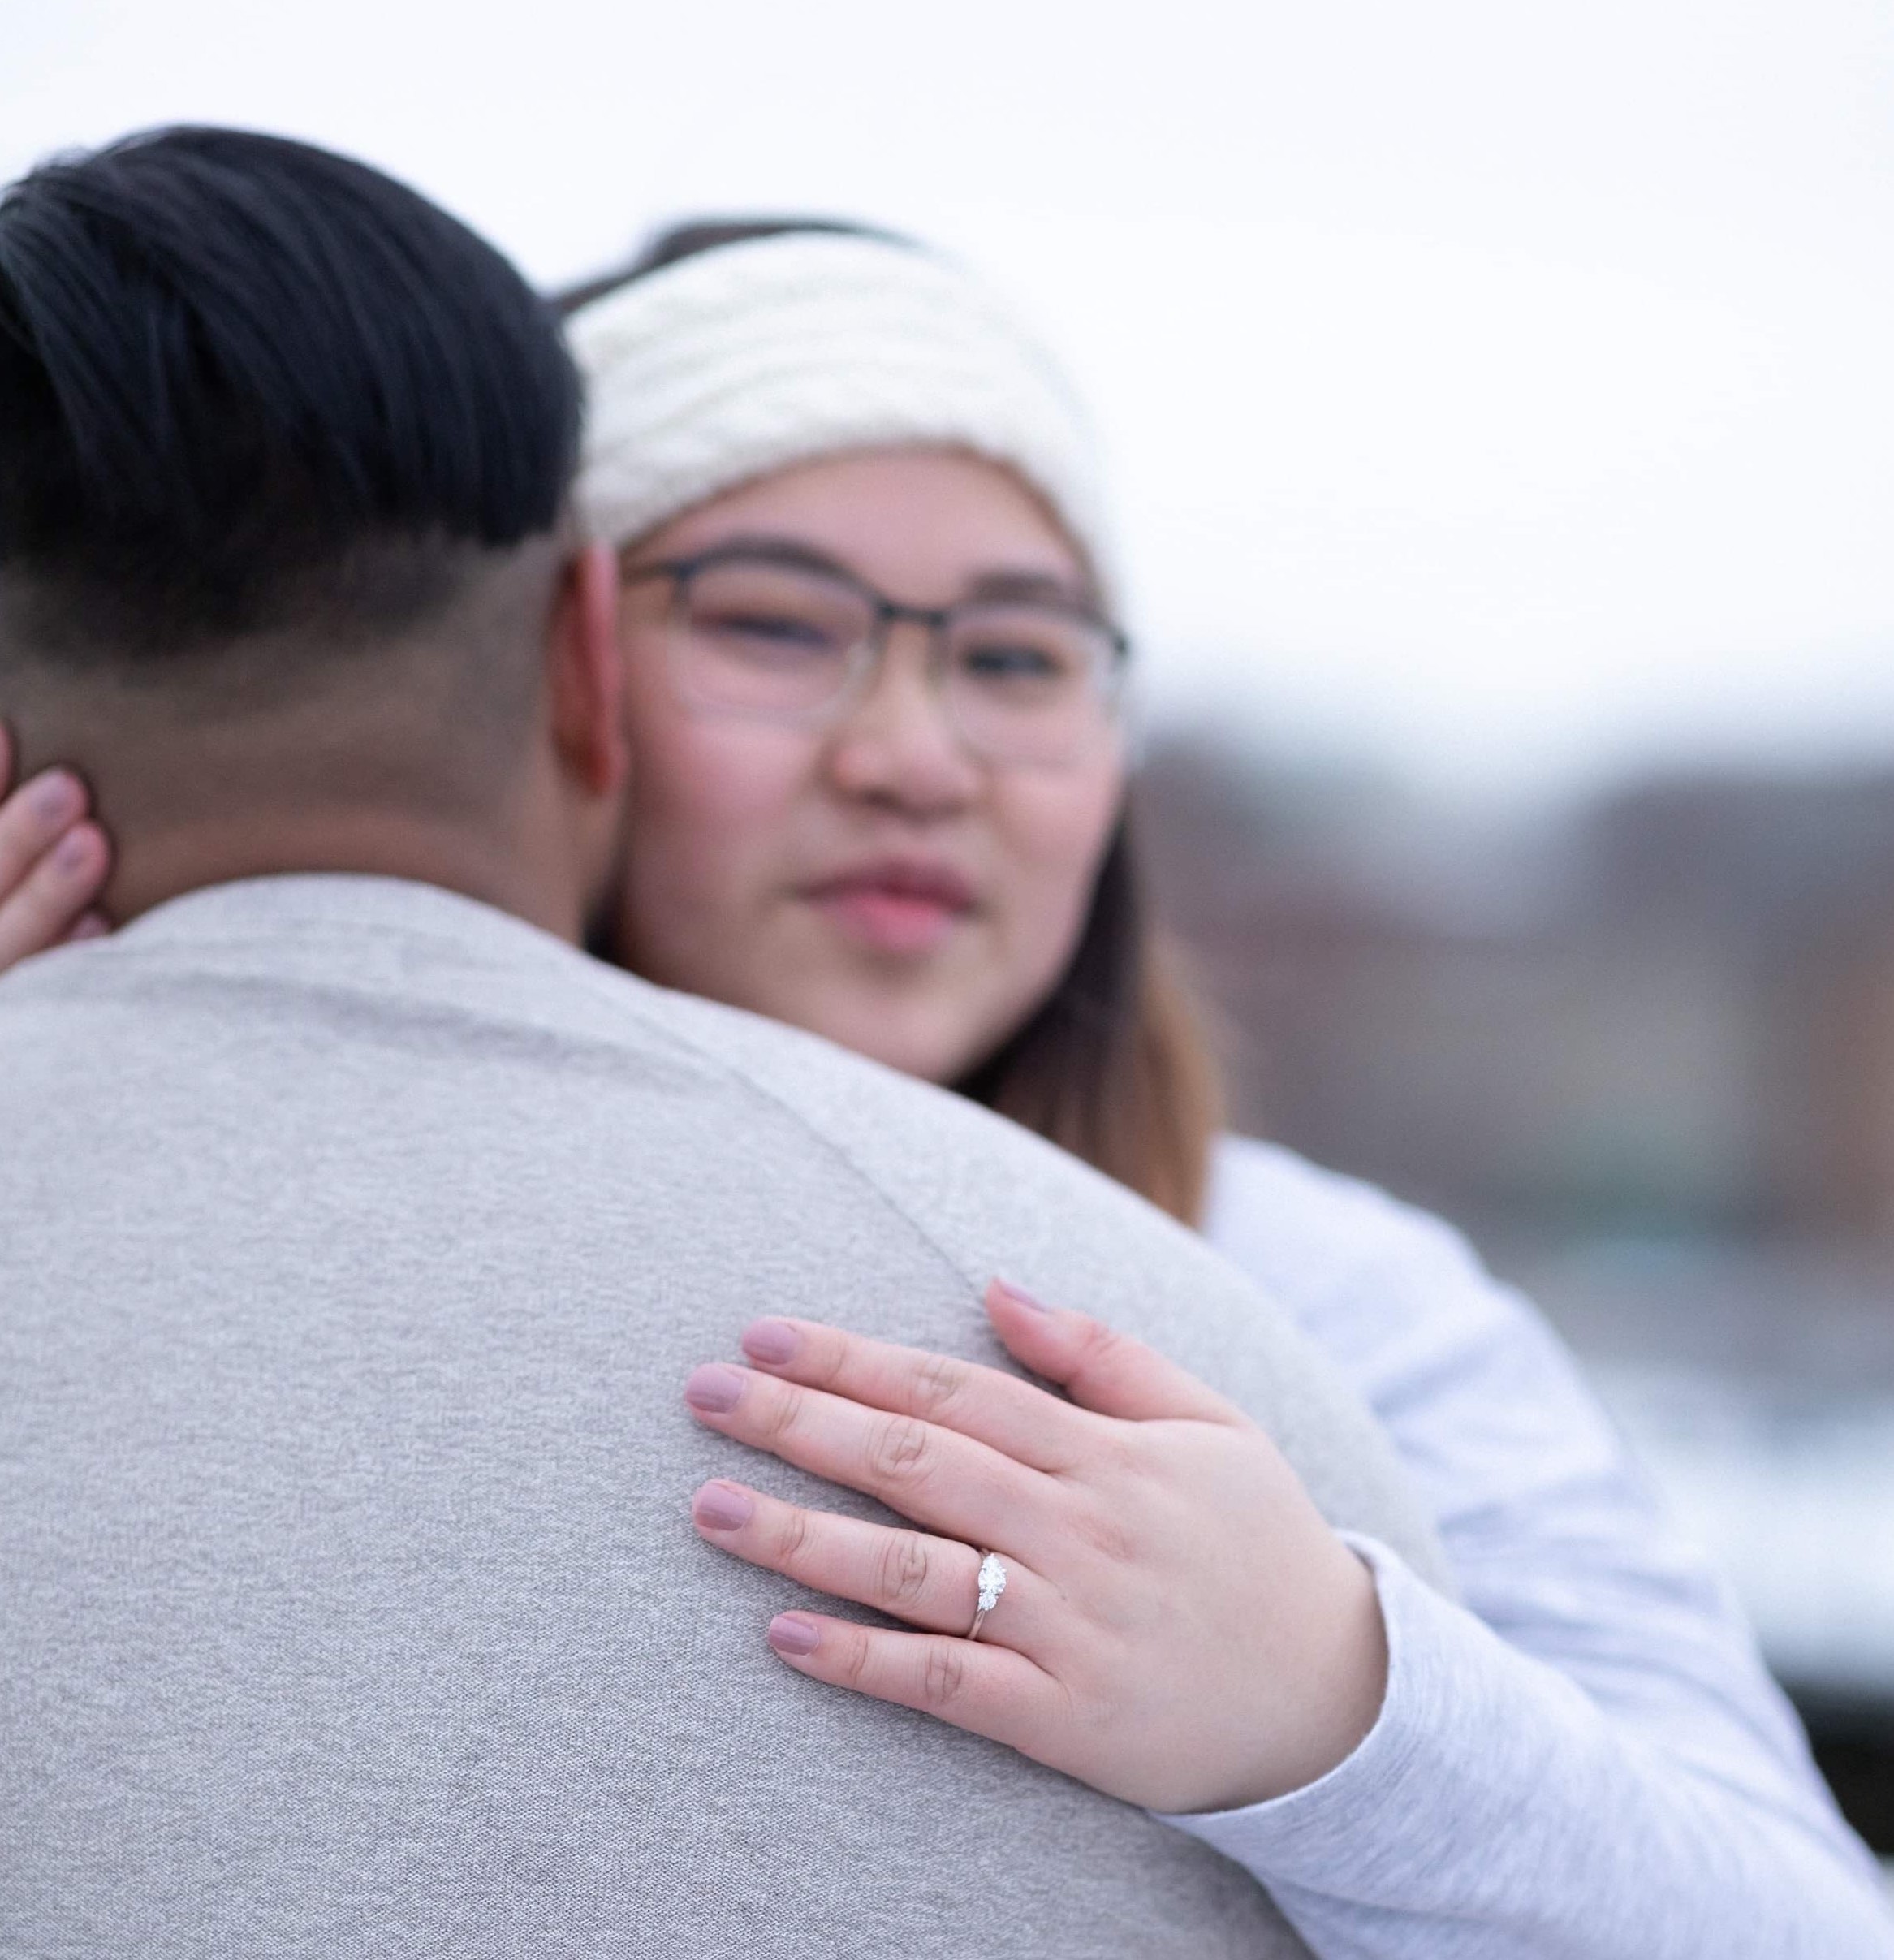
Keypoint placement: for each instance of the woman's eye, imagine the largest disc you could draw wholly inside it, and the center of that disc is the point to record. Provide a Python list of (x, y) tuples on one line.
[(1001, 661), (774, 633)]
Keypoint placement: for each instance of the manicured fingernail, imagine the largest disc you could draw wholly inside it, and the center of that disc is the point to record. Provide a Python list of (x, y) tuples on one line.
[(773, 1341), (74, 851), (791, 1634), (55, 797), (92, 926), (1019, 1294), (714, 1387), (721, 1507)]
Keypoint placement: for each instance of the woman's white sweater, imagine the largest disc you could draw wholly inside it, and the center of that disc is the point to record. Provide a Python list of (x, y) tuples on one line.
[(1586, 1757)]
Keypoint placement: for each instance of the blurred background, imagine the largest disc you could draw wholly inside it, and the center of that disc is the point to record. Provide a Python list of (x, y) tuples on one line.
[(1501, 406)]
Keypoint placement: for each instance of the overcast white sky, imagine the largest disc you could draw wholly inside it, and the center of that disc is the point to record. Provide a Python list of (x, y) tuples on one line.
[(1502, 388)]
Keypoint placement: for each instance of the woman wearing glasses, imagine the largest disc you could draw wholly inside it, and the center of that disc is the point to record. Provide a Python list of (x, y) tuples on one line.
[(874, 685)]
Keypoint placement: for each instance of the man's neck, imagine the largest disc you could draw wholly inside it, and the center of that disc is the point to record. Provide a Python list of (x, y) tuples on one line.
[(167, 864)]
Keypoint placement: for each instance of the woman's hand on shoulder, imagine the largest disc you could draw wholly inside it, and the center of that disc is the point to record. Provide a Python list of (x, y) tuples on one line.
[(1179, 1627), (54, 862)]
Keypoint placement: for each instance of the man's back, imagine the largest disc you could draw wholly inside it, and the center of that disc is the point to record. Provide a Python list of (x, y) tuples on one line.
[(358, 1240)]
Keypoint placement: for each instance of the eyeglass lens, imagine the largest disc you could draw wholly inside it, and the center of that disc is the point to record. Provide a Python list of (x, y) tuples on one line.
[(1023, 681)]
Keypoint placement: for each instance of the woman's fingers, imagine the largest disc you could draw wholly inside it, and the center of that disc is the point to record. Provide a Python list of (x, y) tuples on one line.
[(991, 1690), (53, 861), (1102, 1371), (931, 1475), (34, 818), (1010, 1415), (929, 1581), (88, 926), (53, 864)]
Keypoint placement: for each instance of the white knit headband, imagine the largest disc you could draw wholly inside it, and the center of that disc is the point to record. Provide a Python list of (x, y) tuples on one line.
[(751, 357)]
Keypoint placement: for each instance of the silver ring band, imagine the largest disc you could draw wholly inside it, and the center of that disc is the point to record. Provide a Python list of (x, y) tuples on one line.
[(992, 1583)]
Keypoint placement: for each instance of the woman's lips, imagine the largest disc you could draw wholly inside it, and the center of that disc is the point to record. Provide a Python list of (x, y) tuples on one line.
[(901, 910)]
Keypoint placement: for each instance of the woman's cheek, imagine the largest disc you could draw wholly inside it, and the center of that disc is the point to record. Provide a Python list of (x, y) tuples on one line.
[(713, 796), (709, 806), (1053, 833), (726, 775)]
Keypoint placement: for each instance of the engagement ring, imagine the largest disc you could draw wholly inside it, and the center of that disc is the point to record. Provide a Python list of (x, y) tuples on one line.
[(992, 1582)]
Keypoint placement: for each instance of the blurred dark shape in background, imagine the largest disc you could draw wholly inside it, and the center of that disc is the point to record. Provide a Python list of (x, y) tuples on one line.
[(1642, 1050)]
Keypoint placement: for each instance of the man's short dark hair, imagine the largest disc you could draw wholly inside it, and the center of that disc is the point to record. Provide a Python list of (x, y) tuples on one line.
[(248, 387)]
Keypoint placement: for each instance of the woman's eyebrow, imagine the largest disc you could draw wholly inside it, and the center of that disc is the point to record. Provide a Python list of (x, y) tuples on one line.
[(779, 549), (1000, 582), (1022, 584)]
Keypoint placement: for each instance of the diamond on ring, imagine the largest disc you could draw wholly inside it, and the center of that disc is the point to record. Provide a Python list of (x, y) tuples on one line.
[(992, 1583)]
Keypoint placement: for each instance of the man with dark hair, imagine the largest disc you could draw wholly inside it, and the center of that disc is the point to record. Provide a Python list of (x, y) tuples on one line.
[(283, 520), (359, 1232)]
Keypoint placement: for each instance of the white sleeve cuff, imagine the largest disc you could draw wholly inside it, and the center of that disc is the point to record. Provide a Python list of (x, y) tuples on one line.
[(1494, 1810), (1368, 1805)]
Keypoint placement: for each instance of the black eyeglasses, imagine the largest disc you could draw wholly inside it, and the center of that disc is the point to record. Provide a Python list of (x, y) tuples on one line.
[(775, 637)]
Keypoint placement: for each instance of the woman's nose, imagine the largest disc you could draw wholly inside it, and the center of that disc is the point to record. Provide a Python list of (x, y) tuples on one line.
[(898, 743)]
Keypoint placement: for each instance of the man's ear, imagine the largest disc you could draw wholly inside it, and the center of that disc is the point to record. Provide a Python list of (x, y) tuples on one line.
[(586, 672)]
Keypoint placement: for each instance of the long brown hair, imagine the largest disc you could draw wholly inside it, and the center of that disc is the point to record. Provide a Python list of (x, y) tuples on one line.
[(1114, 1065)]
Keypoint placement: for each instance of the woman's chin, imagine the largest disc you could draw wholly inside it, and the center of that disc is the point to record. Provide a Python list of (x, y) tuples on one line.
[(927, 1039)]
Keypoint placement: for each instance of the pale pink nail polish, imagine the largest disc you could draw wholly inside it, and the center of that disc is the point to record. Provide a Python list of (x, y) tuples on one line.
[(771, 1342), (791, 1634), (74, 851), (1020, 1294), (56, 796), (721, 1507), (714, 1387)]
